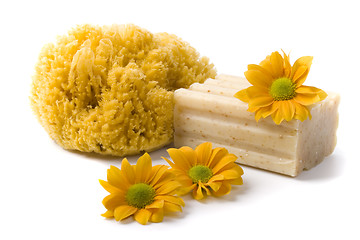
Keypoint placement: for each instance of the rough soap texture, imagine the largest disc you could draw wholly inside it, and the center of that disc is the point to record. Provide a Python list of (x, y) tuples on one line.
[(210, 112), (110, 89)]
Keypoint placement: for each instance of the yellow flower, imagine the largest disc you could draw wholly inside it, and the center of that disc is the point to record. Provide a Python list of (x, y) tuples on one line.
[(144, 191), (205, 170), (277, 89)]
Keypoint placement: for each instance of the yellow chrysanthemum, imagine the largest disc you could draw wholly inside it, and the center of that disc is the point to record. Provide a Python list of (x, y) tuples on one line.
[(205, 170), (144, 191), (277, 89)]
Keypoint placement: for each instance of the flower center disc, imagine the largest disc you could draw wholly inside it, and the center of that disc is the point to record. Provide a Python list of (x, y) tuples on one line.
[(282, 89), (200, 173), (140, 195)]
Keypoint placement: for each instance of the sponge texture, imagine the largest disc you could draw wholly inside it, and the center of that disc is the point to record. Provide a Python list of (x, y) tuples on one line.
[(109, 89)]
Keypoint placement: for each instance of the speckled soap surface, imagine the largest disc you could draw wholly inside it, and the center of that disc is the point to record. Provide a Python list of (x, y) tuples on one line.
[(209, 112)]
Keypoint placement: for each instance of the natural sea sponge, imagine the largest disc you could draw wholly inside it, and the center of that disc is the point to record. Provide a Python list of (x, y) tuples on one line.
[(110, 89)]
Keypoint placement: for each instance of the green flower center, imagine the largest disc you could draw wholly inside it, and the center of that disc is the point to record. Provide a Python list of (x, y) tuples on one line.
[(140, 195), (282, 89), (200, 173)]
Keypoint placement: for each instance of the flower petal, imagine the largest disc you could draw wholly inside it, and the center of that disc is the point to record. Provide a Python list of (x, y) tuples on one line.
[(230, 174), (198, 193), (203, 153), (228, 159), (116, 178), (223, 190), (110, 188), (112, 201), (168, 187), (307, 89), (143, 168), (157, 215), (216, 155), (277, 65), (303, 61), (301, 112), (242, 95), (189, 154), (300, 75), (108, 214), (179, 159), (158, 172), (262, 70), (287, 109), (306, 99), (277, 116), (155, 204), (262, 101), (287, 65), (171, 199), (123, 212), (128, 171), (171, 207), (142, 216), (258, 78)]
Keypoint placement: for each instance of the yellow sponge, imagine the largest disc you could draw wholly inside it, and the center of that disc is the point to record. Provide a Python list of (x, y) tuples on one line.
[(110, 89)]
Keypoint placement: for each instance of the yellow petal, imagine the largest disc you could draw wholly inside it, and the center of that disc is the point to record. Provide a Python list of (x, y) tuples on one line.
[(203, 153), (142, 216), (171, 207), (307, 89), (237, 181), (123, 212), (215, 185), (254, 91), (287, 65), (261, 101), (198, 193), (113, 200), (277, 117), (110, 188), (143, 168), (189, 154), (300, 75), (216, 155), (258, 78), (168, 187), (287, 109), (171, 199), (303, 61), (204, 187), (242, 95), (158, 172), (155, 204), (223, 190), (261, 69), (108, 214), (186, 189), (179, 159), (306, 99), (277, 65), (228, 159), (230, 174), (116, 178), (301, 112), (128, 171), (157, 215)]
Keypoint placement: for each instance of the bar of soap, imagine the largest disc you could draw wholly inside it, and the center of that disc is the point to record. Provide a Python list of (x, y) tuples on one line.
[(209, 112)]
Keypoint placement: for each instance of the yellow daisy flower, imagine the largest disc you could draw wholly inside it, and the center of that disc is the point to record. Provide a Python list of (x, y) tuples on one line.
[(205, 170), (144, 191), (277, 89)]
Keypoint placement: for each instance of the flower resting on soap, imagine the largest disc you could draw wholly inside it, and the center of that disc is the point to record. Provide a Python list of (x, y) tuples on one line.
[(141, 190), (277, 89), (205, 171)]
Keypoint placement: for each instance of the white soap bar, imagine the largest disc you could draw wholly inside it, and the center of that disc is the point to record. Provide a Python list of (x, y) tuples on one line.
[(209, 112)]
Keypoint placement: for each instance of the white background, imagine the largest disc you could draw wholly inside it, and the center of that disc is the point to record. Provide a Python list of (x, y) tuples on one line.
[(50, 193)]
